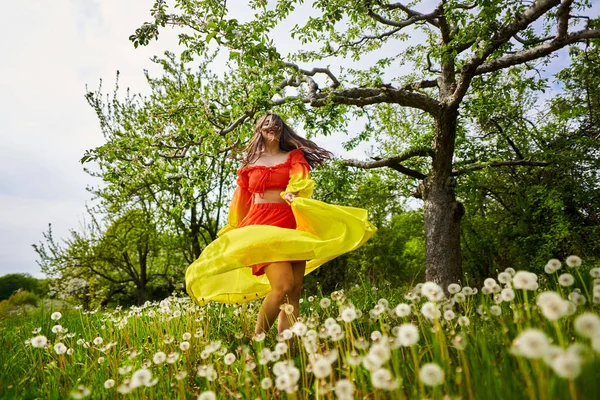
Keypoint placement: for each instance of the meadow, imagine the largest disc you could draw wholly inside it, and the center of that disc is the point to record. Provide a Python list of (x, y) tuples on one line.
[(518, 336)]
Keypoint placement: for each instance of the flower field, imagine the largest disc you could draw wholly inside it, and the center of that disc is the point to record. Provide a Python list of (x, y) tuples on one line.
[(519, 336)]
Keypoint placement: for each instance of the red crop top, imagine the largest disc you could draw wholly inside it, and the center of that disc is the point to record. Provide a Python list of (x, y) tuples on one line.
[(258, 178), (292, 176)]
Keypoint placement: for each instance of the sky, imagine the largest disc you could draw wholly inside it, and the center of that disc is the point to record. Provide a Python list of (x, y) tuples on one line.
[(51, 51)]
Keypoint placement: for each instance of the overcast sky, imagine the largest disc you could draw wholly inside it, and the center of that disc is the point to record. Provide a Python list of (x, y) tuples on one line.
[(50, 51)]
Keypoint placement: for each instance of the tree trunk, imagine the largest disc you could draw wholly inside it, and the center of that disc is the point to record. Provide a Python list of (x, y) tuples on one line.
[(442, 212)]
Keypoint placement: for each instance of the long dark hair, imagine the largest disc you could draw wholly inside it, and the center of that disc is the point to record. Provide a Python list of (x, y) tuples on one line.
[(288, 141)]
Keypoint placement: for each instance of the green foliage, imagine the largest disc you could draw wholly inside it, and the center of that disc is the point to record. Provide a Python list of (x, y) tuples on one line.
[(17, 301), (10, 283)]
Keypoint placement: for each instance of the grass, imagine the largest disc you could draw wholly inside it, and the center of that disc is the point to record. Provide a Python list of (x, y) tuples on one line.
[(479, 360)]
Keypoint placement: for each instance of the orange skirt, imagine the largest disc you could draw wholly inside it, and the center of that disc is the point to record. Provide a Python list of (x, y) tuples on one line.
[(275, 214)]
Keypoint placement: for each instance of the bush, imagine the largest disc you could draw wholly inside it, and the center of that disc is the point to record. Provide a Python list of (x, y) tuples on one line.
[(19, 299)]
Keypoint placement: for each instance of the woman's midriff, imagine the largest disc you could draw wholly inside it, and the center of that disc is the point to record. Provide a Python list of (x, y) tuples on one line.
[(269, 196)]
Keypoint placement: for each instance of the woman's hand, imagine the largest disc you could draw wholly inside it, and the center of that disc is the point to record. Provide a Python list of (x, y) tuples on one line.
[(289, 197)]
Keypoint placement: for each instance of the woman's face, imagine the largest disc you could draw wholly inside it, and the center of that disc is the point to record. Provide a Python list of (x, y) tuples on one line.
[(271, 132)]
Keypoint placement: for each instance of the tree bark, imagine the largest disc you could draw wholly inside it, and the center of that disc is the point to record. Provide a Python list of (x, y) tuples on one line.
[(442, 212)]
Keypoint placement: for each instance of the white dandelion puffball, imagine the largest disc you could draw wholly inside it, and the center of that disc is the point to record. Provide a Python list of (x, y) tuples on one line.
[(432, 291), (288, 308), (208, 395), (573, 261), (430, 311), (109, 383), (80, 392), (566, 280), (344, 389), (489, 283), (57, 329), (504, 277), (531, 343), (159, 358), (383, 379), (60, 348), (141, 377), (325, 302), (408, 335), (39, 341), (463, 320), (525, 280), (552, 266), (495, 310), (449, 315), (467, 291), (321, 368), (348, 315), (566, 364), (55, 316), (266, 383), (230, 358), (186, 336), (460, 297), (98, 341), (184, 346), (431, 374), (596, 344), (553, 306), (507, 294), (402, 310), (453, 288), (587, 325)]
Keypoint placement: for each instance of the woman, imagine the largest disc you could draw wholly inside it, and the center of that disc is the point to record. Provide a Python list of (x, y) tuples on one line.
[(275, 233)]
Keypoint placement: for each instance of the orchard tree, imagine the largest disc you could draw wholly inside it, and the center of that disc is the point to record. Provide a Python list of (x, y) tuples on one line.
[(160, 148), (431, 58)]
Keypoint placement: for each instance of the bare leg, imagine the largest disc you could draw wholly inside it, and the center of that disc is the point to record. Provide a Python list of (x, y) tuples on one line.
[(281, 278), (284, 320)]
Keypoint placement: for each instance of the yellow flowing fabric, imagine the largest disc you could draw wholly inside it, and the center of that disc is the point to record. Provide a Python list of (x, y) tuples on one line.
[(324, 231)]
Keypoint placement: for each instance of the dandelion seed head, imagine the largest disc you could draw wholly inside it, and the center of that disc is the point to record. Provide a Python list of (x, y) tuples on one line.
[(525, 280), (141, 377), (344, 389), (57, 329), (230, 358), (595, 273), (467, 291), (55, 316), (507, 294), (566, 365), (184, 346), (495, 310), (60, 348), (80, 392), (453, 288), (172, 357), (553, 306), (587, 325), (573, 261), (432, 291), (109, 383), (299, 328), (266, 383), (180, 375), (207, 395), (449, 315), (566, 280), (98, 341), (159, 358), (431, 374), (186, 336), (348, 314), (504, 277), (430, 311), (325, 302), (531, 343), (39, 341), (383, 379), (321, 368), (402, 310), (408, 335)]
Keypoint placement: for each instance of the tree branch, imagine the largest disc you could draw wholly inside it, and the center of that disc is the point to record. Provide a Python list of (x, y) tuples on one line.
[(314, 71), (407, 22), (391, 162), (562, 16), (367, 96), (520, 22), (536, 52), (494, 164)]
